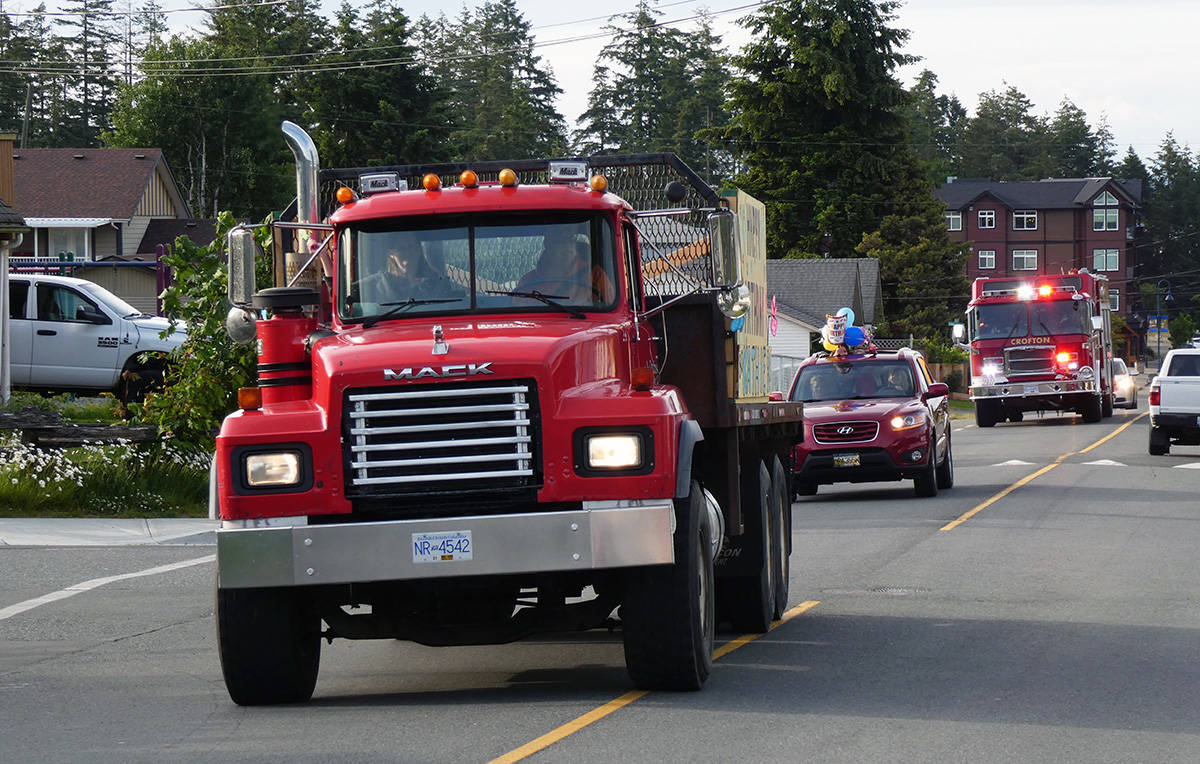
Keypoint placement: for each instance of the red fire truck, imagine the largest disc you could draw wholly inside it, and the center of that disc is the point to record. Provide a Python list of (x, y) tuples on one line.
[(1040, 343), (463, 435)]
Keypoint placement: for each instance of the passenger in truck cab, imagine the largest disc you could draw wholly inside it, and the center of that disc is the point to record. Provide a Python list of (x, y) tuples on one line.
[(565, 269), (408, 274)]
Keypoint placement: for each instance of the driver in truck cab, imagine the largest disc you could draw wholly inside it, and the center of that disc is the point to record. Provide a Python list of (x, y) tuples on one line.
[(564, 269)]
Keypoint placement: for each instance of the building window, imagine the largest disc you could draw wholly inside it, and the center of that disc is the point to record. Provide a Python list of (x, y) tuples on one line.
[(1105, 212), (1106, 259), (987, 258), (954, 221), (1025, 220), (1114, 299), (987, 218), (1024, 259)]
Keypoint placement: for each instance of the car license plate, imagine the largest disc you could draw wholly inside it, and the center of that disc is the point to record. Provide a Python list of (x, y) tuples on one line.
[(846, 460), (445, 546), (1031, 389)]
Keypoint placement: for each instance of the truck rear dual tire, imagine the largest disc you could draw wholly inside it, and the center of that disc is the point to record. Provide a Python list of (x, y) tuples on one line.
[(748, 602), (270, 645), (1092, 410), (668, 612), (782, 537)]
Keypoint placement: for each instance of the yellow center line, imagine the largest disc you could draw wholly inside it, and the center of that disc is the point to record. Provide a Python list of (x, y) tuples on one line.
[(596, 714), (997, 497)]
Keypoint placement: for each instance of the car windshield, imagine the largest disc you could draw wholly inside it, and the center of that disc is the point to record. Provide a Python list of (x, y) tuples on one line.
[(561, 262), (1119, 367), (862, 379), (1022, 319)]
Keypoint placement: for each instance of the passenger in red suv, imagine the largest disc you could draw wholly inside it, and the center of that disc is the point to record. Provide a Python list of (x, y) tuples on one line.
[(869, 418)]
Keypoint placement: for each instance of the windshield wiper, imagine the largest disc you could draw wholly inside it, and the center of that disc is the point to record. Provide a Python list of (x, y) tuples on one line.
[(548, 299), (400, 307)]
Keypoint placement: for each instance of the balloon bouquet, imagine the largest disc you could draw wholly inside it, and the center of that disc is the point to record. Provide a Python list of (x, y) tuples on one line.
[(840, 336)]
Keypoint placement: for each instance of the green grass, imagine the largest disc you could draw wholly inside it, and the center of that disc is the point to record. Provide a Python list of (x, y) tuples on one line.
[(98, 480), (961, 409)]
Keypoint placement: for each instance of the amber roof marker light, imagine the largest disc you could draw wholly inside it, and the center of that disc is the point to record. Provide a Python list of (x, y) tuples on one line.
[(468, 178), (431, 182), (507, 178)]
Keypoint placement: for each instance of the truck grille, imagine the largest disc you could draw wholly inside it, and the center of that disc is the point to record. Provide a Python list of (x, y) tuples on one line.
[(441, 438), (845, 432), (1028, 360)]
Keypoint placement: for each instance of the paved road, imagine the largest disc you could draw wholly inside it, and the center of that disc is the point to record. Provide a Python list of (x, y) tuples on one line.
[(1058, 622)]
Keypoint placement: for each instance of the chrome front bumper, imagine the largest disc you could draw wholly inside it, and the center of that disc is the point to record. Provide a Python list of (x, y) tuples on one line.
[(1031, 389), (288, 552)]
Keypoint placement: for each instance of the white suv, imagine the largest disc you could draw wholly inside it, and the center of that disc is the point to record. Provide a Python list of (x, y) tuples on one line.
[(68, 334)]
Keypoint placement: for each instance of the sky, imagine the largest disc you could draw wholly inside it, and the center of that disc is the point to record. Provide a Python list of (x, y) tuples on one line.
[(1131, 63)]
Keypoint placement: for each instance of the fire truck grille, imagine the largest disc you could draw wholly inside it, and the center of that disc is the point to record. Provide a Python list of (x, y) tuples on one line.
[(1028, 360), (473, 437), (845, 432)]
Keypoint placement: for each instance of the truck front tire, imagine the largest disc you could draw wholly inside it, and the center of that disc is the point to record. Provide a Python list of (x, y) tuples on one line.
[(986, 412), (270, 645), (668, 611)]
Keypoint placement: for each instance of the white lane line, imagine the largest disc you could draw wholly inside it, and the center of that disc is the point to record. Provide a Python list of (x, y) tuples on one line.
[(1106, 463), (94, 583), (1013, 463), (1189, 466)]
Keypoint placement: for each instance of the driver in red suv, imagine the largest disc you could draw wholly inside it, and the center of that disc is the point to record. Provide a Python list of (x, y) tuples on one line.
[(872, 418)]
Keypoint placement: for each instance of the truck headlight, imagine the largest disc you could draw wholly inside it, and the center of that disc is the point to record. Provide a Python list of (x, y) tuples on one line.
[(614, 451), (609, 450), (272, 470)]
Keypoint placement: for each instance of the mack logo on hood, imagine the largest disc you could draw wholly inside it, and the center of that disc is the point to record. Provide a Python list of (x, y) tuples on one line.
[(451, 370)]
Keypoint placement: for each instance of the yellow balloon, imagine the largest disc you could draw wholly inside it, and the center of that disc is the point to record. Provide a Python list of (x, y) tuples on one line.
[(829, 346)]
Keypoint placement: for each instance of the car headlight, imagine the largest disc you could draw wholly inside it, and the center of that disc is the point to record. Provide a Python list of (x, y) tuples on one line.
[(908, 420), (603, 451), (273, 470)]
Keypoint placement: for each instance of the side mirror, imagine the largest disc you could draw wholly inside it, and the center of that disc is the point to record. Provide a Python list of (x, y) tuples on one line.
[(722, 236), (91, 315), (936, 389), (242, 252), (1097, 322), (958, 332)]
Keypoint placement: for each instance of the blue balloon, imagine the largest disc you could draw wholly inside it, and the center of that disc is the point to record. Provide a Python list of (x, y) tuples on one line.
[(855, 336), (848, 313)]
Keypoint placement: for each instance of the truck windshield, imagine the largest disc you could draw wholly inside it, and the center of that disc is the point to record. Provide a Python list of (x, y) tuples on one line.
[(990, 322), (1059, 317), (544, 262)]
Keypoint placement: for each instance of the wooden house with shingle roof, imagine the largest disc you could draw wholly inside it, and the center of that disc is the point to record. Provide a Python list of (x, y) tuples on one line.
[(807, 290)]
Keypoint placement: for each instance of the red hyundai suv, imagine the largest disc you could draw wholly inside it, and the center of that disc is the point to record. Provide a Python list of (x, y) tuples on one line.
[(872, 418)]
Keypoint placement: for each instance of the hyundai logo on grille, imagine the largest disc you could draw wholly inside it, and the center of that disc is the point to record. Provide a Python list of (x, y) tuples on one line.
[(846, 430), (451, 370)]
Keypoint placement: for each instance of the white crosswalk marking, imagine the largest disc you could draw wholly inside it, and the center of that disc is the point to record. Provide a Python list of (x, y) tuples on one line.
[(1106, 463), (1188, 466), (1013, 463)]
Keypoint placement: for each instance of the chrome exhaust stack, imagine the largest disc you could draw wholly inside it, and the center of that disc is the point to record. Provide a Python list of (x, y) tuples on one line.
[(307, 203)]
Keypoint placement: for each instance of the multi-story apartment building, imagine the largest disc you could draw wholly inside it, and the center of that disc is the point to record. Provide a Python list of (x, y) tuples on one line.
[(1047, 226)]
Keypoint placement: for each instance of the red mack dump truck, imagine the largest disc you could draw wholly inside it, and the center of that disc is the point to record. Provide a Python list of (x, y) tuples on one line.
[(505, 403), (1040, 343)]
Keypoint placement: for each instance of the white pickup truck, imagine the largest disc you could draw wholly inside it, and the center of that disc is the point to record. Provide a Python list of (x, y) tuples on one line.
[(1175, 401), (69, 334)]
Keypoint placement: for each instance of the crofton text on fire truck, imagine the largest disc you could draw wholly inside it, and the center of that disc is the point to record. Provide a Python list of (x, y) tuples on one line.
[(1040, 343), (507, 403)]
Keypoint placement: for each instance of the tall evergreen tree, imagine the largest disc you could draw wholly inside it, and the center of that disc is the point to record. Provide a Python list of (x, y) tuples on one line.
[(373, 114), (1173, 216), (1106, 150), (43, 89), (1004, 140), (502, 96), (818, 121), (654, 88), (934, 121), (1073, 147), (88, 40)]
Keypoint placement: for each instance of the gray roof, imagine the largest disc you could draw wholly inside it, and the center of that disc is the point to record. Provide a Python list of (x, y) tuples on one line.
[(10, 220), (1051, 193), (809, 289)]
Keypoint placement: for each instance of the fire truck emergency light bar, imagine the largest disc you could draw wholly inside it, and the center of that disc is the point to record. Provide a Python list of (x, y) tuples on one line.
[(1027, 292)]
